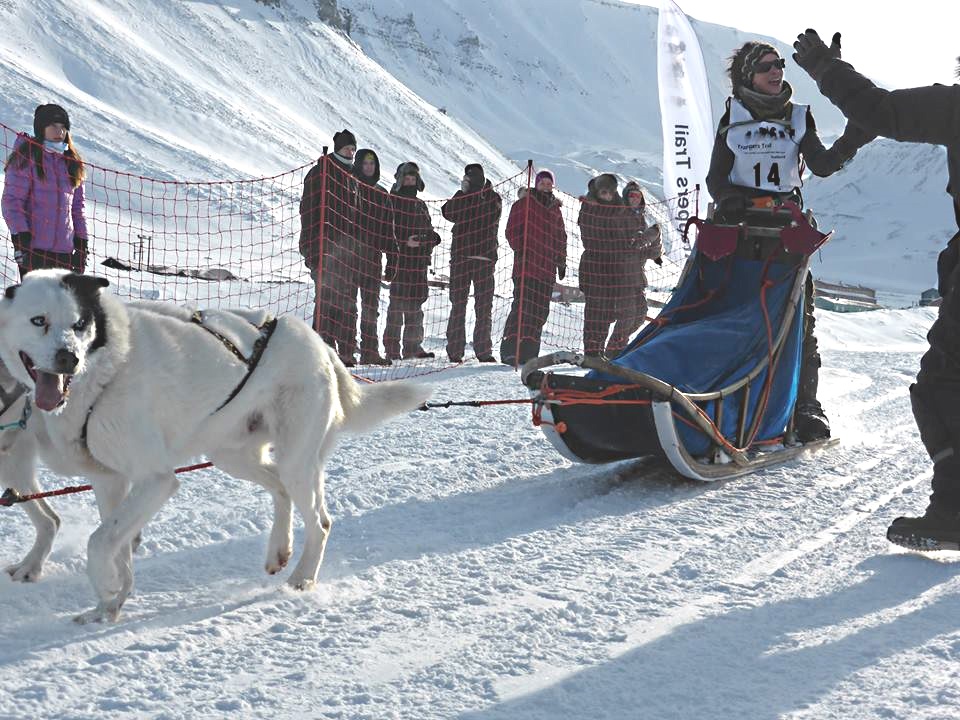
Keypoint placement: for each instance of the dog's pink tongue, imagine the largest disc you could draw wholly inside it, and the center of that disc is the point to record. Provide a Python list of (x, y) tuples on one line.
[(49, 390)]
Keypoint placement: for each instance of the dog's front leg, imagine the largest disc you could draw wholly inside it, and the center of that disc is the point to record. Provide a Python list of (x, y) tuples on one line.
[(20, 473), (109, 564)]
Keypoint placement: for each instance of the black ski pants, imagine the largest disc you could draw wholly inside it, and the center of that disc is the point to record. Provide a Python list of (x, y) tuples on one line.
[(463, 272), (936, 394), (524, 327)]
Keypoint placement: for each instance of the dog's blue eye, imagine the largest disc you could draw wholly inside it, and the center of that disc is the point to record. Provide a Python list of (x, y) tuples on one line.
[(81, 324), (39, 320)]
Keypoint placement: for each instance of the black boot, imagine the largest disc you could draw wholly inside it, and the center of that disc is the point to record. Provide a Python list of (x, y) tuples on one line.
[(810, 422), (937, 529), (373, 357)]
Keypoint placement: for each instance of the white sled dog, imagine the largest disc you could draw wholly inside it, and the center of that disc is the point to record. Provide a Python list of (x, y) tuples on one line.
[(128, 393)]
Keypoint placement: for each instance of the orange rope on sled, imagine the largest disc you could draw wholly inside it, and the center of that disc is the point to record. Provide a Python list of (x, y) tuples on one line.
[(602, 397)]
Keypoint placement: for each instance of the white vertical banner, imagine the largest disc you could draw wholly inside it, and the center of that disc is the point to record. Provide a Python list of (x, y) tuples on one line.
[(687, 118)]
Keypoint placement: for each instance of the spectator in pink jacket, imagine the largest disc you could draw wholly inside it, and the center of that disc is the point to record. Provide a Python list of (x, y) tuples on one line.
[(42, 200)]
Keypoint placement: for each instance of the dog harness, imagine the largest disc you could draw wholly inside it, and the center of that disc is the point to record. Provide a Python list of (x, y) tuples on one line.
[(8, 401), (259, 345)]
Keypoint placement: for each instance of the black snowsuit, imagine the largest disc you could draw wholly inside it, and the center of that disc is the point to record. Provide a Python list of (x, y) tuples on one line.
[(928, 115), (375, 237), (473, 258), (330, 247), (408, 270), (821, 161)]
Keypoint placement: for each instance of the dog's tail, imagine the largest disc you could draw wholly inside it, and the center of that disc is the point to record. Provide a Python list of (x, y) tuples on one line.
[(367, 406)]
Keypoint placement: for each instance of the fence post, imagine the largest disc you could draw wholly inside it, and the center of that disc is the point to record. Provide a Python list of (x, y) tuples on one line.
[(317, 305), (523, 263)]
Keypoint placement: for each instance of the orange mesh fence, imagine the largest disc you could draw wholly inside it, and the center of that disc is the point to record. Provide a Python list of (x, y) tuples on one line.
[(407, 285)]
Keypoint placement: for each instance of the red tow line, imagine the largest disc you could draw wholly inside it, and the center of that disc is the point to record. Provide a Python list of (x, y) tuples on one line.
[(12, 497)]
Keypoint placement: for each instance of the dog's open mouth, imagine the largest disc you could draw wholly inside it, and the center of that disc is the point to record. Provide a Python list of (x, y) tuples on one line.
[(50, 389)]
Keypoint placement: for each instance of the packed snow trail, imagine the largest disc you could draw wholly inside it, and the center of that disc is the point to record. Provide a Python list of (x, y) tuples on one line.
[(472, 572)]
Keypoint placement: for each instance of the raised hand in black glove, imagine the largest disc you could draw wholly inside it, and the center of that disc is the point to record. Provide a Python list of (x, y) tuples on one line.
[(813, 55), (561, 272), (21, 247)]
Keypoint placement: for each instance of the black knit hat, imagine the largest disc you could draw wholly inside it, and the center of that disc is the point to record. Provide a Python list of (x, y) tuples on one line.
[(474, 173), (343, 138), (46, 115)]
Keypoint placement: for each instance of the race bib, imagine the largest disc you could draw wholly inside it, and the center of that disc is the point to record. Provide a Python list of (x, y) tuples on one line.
[(766, 152)]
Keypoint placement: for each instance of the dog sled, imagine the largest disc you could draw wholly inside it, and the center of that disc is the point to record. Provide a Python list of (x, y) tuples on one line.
[(711, 383)]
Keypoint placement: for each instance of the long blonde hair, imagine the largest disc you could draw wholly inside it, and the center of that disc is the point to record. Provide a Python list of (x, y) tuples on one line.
[(30, 148)]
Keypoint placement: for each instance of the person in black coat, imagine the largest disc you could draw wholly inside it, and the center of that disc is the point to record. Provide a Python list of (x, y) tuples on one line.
[(757, 153), (375, 237), (608, 229), (328, 246), (407, 270), (475, 213), (927, 115)]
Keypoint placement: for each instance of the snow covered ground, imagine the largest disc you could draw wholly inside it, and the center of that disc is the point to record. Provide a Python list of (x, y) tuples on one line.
[(474, 573)]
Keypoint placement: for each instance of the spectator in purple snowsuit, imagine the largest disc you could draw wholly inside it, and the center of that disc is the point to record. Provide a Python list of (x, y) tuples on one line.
[(43, 196)]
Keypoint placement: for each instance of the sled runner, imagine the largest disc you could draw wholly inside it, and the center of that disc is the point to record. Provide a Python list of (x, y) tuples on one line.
[(711, 383)]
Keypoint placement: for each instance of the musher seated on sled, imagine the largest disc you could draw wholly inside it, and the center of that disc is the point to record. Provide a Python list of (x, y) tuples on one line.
[(756, 163)]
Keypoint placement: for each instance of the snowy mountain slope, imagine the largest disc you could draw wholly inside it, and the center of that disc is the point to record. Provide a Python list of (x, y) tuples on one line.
[(555, 81), (209, 90), (572, 84), (473, 573), (892, 216)]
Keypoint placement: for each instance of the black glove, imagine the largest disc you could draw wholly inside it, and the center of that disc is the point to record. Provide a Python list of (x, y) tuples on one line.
[(813, 55), (561, 272), (732, 208), (21, 247), (658, 260), (78, 260)]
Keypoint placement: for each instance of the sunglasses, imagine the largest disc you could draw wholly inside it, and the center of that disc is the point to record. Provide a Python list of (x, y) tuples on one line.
[(763, 67)]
